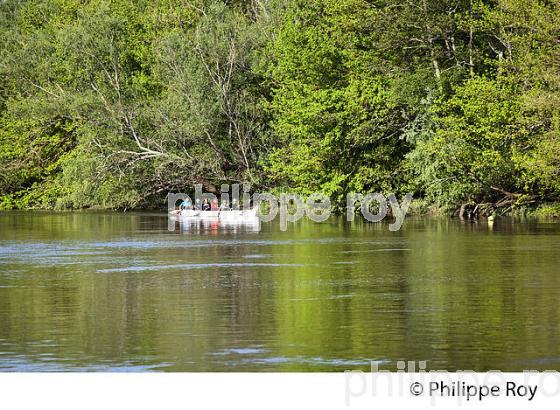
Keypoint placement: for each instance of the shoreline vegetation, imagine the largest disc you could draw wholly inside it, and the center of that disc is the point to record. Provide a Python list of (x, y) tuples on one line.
[(113, 104)]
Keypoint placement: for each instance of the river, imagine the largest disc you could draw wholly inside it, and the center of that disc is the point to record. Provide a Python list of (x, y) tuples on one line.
[(91, 291)]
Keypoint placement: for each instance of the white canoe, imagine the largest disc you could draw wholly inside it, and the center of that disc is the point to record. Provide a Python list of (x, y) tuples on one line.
[(227, 215)]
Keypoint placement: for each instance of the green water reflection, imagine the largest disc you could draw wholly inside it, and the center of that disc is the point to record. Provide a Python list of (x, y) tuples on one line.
[(119, 292)]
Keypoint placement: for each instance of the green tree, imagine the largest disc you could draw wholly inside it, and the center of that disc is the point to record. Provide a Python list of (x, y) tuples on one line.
[(334, 122), (495, 139)]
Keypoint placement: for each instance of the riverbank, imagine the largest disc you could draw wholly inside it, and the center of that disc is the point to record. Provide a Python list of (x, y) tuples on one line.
[(542, 211), (545, 211)]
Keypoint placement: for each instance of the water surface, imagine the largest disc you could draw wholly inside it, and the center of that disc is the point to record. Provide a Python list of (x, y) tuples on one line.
[(119, 292)]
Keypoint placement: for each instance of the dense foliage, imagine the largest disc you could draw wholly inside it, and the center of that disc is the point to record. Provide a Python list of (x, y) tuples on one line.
[(115, 103)]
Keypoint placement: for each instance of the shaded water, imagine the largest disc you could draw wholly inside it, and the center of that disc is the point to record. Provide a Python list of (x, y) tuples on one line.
[(119, 292)]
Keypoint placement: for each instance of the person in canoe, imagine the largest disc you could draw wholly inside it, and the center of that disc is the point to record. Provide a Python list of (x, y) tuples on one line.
[(214, 205), (186, 204), (205, 205)]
